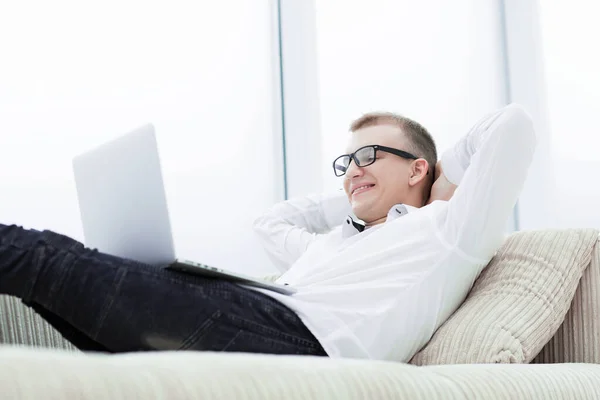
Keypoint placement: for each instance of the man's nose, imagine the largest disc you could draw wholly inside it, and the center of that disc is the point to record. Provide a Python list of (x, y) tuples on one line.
[(353, 170)]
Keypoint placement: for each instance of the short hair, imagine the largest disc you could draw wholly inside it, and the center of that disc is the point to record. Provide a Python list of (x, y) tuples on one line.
[(421, 142)]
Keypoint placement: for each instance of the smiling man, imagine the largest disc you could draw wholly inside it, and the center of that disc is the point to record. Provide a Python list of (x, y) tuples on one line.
[(379, 284), (400, 176), (377, 268)]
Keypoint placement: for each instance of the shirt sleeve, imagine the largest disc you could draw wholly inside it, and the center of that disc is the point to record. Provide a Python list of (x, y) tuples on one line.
[(490, 166), (289, 227)]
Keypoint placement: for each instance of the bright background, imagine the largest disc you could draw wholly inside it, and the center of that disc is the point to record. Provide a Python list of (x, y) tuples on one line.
[(569, 32), (443, 68), (252, 99), (75, 74)]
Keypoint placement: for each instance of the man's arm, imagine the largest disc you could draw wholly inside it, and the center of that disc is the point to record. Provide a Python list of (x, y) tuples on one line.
[(442, 188), (490, 166), (289, 227)]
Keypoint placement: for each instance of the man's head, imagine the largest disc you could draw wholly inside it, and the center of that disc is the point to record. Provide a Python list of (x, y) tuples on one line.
[(394, 177)]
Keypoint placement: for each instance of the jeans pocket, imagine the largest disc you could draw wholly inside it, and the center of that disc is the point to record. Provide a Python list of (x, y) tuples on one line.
[(250, 342), (202, 335), (283, 335)]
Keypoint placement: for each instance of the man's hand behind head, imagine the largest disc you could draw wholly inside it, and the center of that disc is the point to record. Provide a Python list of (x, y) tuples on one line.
[(442, 188)]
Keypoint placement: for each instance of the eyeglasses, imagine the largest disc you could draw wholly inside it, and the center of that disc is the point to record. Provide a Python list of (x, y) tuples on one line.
[(366, 156)]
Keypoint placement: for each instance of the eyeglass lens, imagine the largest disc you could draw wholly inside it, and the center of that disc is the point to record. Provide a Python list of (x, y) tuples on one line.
[(364, 156)]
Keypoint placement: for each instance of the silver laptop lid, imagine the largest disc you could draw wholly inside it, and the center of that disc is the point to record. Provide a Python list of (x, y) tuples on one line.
[(122, 199)]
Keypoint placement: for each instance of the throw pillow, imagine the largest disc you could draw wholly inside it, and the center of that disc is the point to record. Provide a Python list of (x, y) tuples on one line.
[(517, 303)]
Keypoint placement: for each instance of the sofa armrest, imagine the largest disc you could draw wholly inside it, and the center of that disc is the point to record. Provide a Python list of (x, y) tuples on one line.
[(20, 325)]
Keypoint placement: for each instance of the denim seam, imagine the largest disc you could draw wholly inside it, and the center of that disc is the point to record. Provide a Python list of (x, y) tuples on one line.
[(249, 293), (273, 340), (38, 254), (232, 340), (201, 331), (296, 340), (38, 247), (181, 280), (62, 278), (121, 274)]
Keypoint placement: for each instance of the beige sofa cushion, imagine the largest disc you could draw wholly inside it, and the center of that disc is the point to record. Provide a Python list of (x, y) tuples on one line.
[(578, 338), (44, 374), (517, 303), (21, 325)]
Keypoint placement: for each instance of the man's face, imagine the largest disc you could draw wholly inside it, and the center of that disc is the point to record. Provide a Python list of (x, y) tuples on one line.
[(387, 179)]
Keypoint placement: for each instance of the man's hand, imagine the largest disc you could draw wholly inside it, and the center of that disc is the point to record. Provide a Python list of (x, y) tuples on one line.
[(442, 189)]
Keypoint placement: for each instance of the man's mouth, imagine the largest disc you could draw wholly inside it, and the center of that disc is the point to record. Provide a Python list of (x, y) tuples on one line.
[(362, 189)]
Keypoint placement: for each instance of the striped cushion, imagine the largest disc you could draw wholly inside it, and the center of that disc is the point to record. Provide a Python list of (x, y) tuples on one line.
[(578, 338), (20, 325), (518, 302)]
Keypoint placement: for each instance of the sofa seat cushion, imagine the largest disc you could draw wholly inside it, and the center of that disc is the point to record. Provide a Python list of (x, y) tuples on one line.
[(27, 373)]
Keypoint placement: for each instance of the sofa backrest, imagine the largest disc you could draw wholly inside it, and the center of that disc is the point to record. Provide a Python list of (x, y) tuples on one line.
[(518, 302), (577, 339)]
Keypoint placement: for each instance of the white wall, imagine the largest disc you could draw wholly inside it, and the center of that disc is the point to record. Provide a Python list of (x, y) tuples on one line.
[(438, 62), (570, 32), (74, 75)]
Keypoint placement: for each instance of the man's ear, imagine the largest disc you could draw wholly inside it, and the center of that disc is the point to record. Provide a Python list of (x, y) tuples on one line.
[(418, 171)]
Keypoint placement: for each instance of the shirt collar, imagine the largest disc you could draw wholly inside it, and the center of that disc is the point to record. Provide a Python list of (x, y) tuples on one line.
[(352, 227)]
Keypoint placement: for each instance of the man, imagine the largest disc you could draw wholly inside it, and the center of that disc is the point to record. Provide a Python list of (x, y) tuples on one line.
[(375, 287)]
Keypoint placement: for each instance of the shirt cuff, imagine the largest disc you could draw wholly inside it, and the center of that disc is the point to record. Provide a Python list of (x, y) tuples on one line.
[(453, 168)]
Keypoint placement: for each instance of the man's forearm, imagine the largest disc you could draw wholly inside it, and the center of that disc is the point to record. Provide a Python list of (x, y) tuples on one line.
[(288, 228), (442, 188), (315, 213)]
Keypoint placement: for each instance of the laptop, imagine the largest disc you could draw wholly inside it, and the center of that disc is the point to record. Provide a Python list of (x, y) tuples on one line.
[(124, 210)]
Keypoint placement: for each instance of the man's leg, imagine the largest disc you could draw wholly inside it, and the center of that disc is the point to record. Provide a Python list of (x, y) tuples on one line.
[(109, 303)]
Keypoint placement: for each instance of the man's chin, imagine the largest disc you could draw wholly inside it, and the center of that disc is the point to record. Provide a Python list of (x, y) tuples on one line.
[(361, 212)]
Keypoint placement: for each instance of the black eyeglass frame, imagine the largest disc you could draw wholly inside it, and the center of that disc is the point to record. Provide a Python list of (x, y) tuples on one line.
[(376, 147)]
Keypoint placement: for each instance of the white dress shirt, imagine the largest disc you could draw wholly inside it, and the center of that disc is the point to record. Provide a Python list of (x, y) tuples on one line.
[(382, 292)]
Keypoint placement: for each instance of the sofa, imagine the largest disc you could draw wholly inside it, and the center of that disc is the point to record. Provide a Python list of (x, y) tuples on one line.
[(529, 329)]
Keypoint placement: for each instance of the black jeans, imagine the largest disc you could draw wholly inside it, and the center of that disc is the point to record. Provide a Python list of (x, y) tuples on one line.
[(105, 303)]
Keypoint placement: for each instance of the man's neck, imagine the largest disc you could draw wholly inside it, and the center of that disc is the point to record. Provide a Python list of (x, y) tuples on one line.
[(376, 222)]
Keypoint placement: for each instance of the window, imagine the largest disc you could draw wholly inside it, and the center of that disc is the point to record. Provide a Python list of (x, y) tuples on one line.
[(572, 62), (440, 63), (74, 75), (569, 32)]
